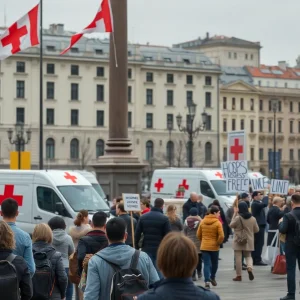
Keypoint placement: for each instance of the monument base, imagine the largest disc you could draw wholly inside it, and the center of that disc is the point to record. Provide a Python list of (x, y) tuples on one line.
[(119, 174)]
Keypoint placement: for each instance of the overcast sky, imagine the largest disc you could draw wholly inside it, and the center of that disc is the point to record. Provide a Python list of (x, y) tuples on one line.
[(275, 23)]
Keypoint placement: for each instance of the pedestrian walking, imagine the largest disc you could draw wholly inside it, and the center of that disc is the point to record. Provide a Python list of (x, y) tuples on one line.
[(194, 201), (176, 224), (211, 235), (245, 226), (177, 257), (12, 267), (62, 243)]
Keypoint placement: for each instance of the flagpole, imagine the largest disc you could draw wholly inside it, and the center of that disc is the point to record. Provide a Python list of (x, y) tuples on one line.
[(41, 139)]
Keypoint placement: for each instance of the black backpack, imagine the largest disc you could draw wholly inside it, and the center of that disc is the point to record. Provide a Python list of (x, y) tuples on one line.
[(9, 283), (127, 283), (43, 279), (296, 239)]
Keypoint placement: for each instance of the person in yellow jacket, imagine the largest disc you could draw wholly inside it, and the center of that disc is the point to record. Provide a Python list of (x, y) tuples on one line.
[(211, 235)]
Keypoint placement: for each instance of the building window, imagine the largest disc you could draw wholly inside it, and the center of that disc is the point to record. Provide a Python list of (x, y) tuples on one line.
[(129, 94), (252, 104), (129, 119), (50, 69), (149, 120), (208, 123), (259, 82), (100, 72), (299, 107), (246, 56), (270, 125), (74, 149), (100, 118), (208, 80), (299, 154), (74, 70), (208, 152), (74, 91), (50, 148), (170, 78), (224, 103), (170, 97), (100, 92), (20, 115), (229, 55), (279, 126), (100, 148), (242, 125), (291, 106), (261, 105), (279, 106), (242, 104), (261, 154), (189, 79), (235, 55), (20, 68), (270, 105), (225, 154), (233, 104), (251, 154), (129, 73), (291, 154), (20, 89), (251, 126), (149, 77), (170, 151), (286, 85), (74, 117), (50, 116), (149, 150), (50, 90), (208, 99), (261, 125), (225, 125), (298, 126), (291, 126), (233, 124), (251, 56), (149, 97), (170, 120), (189, 97)]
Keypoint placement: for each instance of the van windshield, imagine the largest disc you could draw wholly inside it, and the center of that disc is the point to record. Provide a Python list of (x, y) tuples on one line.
[(220, 187), (99, 190), (83, 197)]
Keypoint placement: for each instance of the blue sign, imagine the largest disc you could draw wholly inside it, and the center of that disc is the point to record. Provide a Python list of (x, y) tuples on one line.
[(277, 163)]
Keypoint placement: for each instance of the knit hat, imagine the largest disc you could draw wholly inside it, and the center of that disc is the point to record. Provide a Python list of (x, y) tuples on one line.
[(193, 211), (244, 195)]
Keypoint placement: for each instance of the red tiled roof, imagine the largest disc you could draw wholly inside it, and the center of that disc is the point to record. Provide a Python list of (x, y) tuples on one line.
[(288, 73)]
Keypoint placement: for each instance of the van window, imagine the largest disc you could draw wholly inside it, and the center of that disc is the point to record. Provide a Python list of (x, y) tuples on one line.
[(47, 199), (205, 188)]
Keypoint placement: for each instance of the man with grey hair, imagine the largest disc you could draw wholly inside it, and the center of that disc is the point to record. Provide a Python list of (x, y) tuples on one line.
[(194, 201)]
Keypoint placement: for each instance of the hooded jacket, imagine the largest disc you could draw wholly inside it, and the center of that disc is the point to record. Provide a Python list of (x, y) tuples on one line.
[(190, 229), (77, 232), (100, 273), (63, 243), (210, 233)]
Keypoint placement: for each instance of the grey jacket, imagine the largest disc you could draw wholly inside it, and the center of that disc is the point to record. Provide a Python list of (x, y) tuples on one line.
[(63, 243), (190, 229)]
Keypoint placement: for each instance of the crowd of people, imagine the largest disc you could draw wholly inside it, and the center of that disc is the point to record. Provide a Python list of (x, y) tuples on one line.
[(156, 256)]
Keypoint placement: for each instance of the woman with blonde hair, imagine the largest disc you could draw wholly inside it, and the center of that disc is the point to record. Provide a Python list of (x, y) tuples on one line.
[(42, 246), (7, 244), (175, 221)]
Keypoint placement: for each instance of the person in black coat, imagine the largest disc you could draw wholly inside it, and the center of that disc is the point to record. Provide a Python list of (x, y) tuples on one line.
[(194, 201), (155, 226), (275, 213), (7, 244), (177, 258)]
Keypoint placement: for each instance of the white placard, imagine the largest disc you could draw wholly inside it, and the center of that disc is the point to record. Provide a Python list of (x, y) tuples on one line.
[(132, 202), (280, 187), (260, 184), (236, 145), (236, 175)]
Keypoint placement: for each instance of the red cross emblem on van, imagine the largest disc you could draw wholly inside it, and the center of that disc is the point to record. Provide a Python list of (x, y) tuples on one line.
[(9, 193)]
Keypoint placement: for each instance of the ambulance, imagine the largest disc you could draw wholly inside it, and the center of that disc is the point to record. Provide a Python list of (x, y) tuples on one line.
[(44, 194), (167, 183)]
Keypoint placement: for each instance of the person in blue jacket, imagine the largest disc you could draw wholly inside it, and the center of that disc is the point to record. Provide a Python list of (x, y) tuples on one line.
[(177, 258)]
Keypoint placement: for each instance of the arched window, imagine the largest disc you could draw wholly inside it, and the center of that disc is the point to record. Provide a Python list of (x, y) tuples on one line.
[(149, 150), (208, 152), (170, 152), (74, 149), (50, 148), (99, 148)]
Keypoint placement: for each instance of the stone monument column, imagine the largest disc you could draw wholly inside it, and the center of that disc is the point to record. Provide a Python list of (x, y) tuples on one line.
[(118, 171)]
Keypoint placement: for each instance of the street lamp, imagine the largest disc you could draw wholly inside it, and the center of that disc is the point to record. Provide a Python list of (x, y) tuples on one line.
[(170, 149), (19, 139), (191, 132), (274, 109)]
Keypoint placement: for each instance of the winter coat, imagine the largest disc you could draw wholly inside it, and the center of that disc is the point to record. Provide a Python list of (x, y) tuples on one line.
[(100, 273), (77, 232), (177, 289), (190, 229), (250, 227), (23, 274), (154, 225), (273, 217), (210, 233), (127, 220), (176, 225), (258, 210), (189, 204), (63, 243), (61, 278)]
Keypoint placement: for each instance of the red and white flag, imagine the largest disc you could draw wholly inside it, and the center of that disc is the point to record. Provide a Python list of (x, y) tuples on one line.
[(22, 34), (102, 22)]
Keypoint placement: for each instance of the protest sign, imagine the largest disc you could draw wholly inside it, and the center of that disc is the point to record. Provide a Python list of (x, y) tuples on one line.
[(280, 187), (236, 175), (132, 202), (260, 184)]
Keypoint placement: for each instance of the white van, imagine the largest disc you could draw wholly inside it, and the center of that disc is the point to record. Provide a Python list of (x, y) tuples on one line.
[(44, 194), (207, 182)]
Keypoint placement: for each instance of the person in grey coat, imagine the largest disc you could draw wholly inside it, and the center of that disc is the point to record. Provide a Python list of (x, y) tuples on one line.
[(62, 243)]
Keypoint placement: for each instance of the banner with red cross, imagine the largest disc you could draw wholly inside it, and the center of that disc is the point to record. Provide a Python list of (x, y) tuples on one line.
[(236, 149)]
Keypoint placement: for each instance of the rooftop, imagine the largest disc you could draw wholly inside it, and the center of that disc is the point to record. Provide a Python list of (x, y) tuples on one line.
[(233, 74)]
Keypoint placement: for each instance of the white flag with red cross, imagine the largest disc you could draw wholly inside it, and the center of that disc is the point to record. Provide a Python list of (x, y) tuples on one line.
[(102, 23), (236, 149), (22, 34)]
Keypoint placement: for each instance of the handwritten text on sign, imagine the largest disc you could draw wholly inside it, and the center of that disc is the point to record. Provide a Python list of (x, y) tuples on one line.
[(260, 184), (132, 202), (280, 187), (236, 176)]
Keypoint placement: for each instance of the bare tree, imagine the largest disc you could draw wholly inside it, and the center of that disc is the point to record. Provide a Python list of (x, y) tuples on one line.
[(85, 153)]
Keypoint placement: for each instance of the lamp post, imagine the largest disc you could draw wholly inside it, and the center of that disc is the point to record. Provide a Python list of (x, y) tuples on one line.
[(19, 139), (170, 154), (191, 132), (274, 108)]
